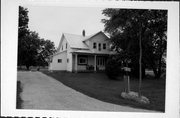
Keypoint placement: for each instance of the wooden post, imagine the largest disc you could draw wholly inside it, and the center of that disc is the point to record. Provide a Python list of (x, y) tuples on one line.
[(127, 79), (128, 84), (94, 63), (75, 63), (125, 83)]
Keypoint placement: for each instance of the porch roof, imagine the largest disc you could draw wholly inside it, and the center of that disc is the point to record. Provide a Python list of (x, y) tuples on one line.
[(93, 53)]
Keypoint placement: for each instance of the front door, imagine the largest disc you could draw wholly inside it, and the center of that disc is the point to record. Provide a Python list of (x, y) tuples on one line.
[(101, 61)]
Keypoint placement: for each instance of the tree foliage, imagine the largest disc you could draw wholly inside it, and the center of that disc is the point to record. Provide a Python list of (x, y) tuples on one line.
[(113, 68), (32, 50), (125, 26)]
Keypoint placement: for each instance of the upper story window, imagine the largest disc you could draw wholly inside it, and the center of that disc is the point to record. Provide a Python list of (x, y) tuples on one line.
[(99, 46), (104, 45), (94, 45)]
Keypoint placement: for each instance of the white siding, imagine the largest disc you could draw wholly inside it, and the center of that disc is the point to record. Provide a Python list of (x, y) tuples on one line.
[(100, 38), (63, 45), (65, 53), (69, 56), (81, 67), (54, 65)]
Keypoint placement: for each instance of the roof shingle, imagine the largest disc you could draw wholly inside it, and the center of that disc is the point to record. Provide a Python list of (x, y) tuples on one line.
[(75, 41)]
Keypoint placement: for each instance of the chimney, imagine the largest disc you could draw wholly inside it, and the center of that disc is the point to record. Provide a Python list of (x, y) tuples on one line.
[(83, 33)]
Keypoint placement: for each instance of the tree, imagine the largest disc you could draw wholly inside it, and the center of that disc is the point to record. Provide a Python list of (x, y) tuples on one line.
[(127, 26), (36, 51), (113, 68), (29, 49), (46, 49), (140, 33), (22, 32), (32, 50)]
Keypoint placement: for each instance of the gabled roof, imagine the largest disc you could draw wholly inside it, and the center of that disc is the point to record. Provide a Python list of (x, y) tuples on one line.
[(78, 41), (75, 41), (89, 37)]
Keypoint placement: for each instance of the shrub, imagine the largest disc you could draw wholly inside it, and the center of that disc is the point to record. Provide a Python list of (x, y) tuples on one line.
[(113, 69), (18, 96)]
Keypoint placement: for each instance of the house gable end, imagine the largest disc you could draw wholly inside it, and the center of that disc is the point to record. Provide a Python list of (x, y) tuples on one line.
[(60, 43), (63, 42), (99, 33), (99, 43)]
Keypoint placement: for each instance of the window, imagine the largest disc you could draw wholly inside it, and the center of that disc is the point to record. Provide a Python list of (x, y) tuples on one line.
[(62, 48), (101, 61), (104, 46), (66, 45), (94, 45), (99, 46), (59, 60), (67, 60), (82, 60)]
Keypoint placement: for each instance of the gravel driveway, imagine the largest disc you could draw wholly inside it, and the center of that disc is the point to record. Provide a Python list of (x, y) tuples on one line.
[(43, 92)]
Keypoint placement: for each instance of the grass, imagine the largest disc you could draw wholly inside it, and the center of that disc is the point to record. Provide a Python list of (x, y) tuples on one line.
[(18, 96), (99, 86)]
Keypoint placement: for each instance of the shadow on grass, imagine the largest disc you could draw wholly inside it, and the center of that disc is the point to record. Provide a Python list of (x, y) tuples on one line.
[(18, 95)]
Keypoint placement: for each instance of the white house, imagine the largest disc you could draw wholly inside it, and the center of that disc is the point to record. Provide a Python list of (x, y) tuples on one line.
[(81, 53)]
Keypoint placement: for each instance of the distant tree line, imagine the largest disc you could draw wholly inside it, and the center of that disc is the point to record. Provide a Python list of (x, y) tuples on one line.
[(32, 50)]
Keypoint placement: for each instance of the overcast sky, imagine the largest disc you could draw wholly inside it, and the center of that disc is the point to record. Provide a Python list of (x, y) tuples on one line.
[(51, 22)]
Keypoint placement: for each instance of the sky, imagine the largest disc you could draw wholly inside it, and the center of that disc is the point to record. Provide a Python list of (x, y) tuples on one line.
[(51, 21)]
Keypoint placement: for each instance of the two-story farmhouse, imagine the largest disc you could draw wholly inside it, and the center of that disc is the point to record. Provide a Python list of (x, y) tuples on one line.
[(81, 53)]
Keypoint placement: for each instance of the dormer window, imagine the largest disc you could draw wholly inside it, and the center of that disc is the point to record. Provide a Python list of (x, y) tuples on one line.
[(99, 46), (104, 46), (94, 45)]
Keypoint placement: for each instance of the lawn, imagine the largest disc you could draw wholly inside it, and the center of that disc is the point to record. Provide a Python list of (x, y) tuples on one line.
[(99, 86)]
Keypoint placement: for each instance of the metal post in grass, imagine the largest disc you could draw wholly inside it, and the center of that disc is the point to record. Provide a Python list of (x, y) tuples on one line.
[(127, 77)]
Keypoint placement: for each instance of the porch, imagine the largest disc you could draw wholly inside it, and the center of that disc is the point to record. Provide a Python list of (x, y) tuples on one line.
[(82, 62)]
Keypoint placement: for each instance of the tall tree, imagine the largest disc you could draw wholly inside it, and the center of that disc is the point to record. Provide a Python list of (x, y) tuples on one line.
[(29, 49), (127, 26), (23, 31), (32, 50)]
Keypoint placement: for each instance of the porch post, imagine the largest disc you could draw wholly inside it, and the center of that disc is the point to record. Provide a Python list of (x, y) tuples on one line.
[(75, 63), (95, 63)]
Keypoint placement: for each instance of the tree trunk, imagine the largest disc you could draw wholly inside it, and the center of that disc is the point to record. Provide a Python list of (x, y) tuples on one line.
[(140, 63)]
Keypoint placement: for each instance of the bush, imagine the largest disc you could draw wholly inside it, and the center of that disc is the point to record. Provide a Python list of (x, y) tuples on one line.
[(113, 69)]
